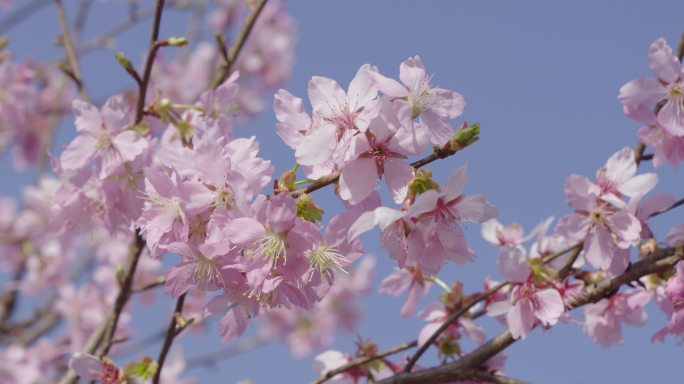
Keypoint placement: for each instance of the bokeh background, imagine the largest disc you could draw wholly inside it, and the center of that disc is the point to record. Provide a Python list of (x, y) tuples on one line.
[(540, 77)]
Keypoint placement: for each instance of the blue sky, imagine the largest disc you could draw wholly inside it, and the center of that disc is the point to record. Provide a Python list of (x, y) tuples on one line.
[(540, 77)]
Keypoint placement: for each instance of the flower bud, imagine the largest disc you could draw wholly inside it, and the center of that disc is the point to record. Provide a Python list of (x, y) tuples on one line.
[(307, 209)]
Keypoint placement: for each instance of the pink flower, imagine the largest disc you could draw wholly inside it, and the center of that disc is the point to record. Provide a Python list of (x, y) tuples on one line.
[(619, 178), (668, 88), (528, 303), (676, 237), (104, 137), (432, 105), (89, 367), (666, 147), (438, 214), (603, 319), (607, 232), (435, 315), (380, 151), (408, 279), (339, 115)]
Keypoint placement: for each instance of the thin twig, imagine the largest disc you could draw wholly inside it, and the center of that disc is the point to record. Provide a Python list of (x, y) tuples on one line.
[(149, 62), (359, 361), (240, 40), (70, 50), (653, 263), (439, 153), (171, 333), (673, 206), (450, 320)]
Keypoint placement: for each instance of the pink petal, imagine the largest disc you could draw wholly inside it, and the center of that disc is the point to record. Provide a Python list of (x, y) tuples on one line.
[(129, 145), (550, 306), (358, 179), (639, 185), (451, 104), (453, 188), (520, 319), (317, 147), (244, 231), (662, 61), (440, 131), (87, 118), (598, 246), (476, 208), (325, 95), (79, 153), (671, 116), (512, 263), (642, 91), (233, 324), (398, 174), (412, 72), (362, 88)]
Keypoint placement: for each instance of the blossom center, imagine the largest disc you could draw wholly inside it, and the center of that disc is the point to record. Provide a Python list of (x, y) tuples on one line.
[(322, 259)]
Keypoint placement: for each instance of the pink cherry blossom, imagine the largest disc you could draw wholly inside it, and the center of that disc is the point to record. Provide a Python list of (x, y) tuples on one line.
[(667, 89), (528, 303), (380, 151), (339, 115), (432, 105), (603, 319), (409, 279), (105, 138), (607, 232)]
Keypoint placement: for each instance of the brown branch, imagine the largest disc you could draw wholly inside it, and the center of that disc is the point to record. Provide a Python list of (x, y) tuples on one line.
[(654, 263), (149, 62), (673, 206), (171, 332), (576, 249), (439, 153), (149, 286), (447, 323), (74, 69), (104, 334), (8, 300), (239, 42), (359, 361)]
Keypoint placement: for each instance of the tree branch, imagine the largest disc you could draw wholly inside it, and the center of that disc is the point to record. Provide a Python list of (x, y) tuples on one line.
[(239, 42), (70, 51), (364, 360), (171, 332), (653, 263)]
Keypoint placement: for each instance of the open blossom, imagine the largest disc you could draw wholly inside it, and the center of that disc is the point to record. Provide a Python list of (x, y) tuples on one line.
[(671, 299), (619, 178), (427, 233), (437, 215), (377, 153), (667, 89), (603, 319), (105, 138), (338, 116), (667, 148), (607, 231), (432, 105), (89, 367), (436, 315), (529, 303), (409, 279)]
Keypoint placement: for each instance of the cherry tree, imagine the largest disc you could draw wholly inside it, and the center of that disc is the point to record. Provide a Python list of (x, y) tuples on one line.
[(164, 196)]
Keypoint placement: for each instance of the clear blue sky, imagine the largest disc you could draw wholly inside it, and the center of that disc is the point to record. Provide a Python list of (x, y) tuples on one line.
[(542, 79)]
